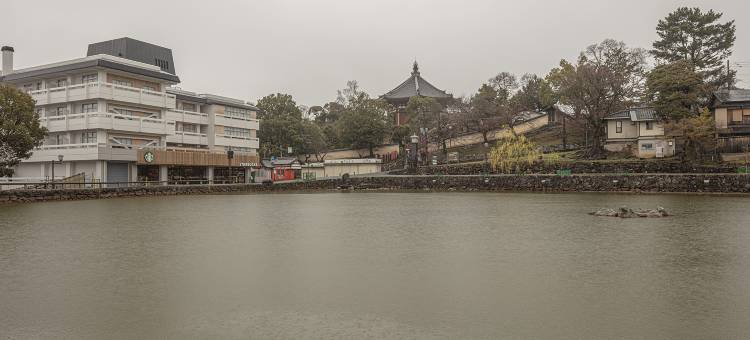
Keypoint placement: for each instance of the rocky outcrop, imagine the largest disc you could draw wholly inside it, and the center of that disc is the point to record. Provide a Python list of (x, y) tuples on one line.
[(625, 212)]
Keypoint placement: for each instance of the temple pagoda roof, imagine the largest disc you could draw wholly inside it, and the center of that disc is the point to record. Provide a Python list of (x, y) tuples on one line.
[(415, 85)]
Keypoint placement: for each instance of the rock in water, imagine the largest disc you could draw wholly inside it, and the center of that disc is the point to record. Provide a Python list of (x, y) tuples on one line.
[(625, 212)]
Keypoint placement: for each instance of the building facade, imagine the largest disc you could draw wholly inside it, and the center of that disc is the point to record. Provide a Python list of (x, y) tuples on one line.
[(638, 131), (114, 120)]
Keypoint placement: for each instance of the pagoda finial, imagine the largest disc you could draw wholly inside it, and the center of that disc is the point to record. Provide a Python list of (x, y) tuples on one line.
[(415, 68)]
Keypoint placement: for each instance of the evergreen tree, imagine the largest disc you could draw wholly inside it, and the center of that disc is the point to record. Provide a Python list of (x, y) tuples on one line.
[(675, 90), (690, 34)]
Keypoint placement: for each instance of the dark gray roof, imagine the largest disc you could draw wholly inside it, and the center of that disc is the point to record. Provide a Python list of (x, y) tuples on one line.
[(729, 97), (278, 161), (415, 85), (635, 114), (83, 64), (136, 50)]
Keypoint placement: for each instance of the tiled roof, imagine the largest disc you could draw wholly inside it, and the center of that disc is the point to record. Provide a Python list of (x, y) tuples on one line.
[(733, 96), (415, 85), (635, 114)]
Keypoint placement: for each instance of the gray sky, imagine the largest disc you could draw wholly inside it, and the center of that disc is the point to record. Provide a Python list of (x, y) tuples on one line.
[(309, 49)]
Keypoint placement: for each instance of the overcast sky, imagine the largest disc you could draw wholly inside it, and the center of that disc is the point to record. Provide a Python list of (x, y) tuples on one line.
[(310, 48)]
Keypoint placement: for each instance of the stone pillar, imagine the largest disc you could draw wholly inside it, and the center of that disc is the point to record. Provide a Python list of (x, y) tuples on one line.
[(163, 174), (210, 174), (68, 169), (134, 172), (100, 171)]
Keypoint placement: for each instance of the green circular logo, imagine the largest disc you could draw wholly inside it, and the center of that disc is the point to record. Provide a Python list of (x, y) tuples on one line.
[(149, 157)]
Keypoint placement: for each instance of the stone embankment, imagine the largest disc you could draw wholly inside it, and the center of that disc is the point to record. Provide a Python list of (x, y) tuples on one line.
[(580, 167), (634, 183)]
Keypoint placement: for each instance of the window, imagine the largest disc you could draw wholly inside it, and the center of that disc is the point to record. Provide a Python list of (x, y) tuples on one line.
[(149, 87), (39, 111), (122, 83), (236, 132), (86, 108), (188, 107), (120, 142), (649, 125), (163, 64), (618, 126), (89, 78), (236, 112), (28, 88), (647, 146), (60, 111), (61, 83), (88, 137)]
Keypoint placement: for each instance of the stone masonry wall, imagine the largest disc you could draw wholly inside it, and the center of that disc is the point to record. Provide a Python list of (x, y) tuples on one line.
[(582, 167), (680, 183)]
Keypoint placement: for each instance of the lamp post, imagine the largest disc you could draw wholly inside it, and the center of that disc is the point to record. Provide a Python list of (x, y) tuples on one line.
[(486, 150), (230, 155), (60, 159), (413, 154)]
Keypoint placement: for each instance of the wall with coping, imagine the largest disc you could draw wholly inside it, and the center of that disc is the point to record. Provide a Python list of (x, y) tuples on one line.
[(676, 183)]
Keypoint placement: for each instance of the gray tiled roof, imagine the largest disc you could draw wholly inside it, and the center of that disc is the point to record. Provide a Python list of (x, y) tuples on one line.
[(733, 96), (635, 114), (415, 85)]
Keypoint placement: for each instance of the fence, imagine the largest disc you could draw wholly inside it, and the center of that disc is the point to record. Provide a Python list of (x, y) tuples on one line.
[(733, 144), (49, 185)]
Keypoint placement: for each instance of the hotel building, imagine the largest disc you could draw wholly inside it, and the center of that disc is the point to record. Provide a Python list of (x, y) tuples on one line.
[(114, 116)]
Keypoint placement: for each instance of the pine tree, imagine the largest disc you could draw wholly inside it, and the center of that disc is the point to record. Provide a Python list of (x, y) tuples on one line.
[(690, 34)]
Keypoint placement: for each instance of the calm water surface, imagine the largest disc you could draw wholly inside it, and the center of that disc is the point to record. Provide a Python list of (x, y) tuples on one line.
[(402, 265)]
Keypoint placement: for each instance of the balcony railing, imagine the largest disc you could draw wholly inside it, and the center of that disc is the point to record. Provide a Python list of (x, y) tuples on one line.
[(96, 90), (187, 116), (745, 121), (107, 121), (247, 123)]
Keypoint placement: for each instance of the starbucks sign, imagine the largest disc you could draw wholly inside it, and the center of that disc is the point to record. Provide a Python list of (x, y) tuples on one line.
[(149, 157)]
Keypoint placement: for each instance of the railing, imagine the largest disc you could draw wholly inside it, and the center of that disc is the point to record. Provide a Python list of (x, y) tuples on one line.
[(97, 184), (105, 120), (238, 118), (103, 90), (745, 121)]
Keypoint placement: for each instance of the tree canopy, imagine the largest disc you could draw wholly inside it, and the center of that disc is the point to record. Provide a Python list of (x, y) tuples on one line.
[(698, 37), (675, 90), (608, 77), (20, 131)]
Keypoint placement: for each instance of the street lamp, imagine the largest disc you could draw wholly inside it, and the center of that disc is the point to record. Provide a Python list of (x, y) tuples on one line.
[(230, 155), (60, 159)]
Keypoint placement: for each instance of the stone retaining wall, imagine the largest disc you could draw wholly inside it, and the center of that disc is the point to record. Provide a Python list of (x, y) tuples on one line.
[(680, 183), (581, 167)]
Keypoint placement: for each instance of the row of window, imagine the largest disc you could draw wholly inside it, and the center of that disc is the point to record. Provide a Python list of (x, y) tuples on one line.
[(85, 137), (236, 132), (237, 112), (618, 126)]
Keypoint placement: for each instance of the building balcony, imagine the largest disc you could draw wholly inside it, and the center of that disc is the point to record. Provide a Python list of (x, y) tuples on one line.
[(245, 123), (235, 141), (108, 121), (187, 116), (184, 137), (83, 152), (98, 90)]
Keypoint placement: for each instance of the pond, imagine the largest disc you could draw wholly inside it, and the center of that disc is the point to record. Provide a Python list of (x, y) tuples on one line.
[(375, 265)]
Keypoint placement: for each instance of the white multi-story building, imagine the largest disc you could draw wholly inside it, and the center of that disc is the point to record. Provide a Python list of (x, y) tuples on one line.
[(113, 117)]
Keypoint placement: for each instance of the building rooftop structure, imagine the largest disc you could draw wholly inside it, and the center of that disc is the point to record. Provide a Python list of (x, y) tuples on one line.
[(732, 98), (136, 50), (636, 114), (415, 85)]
